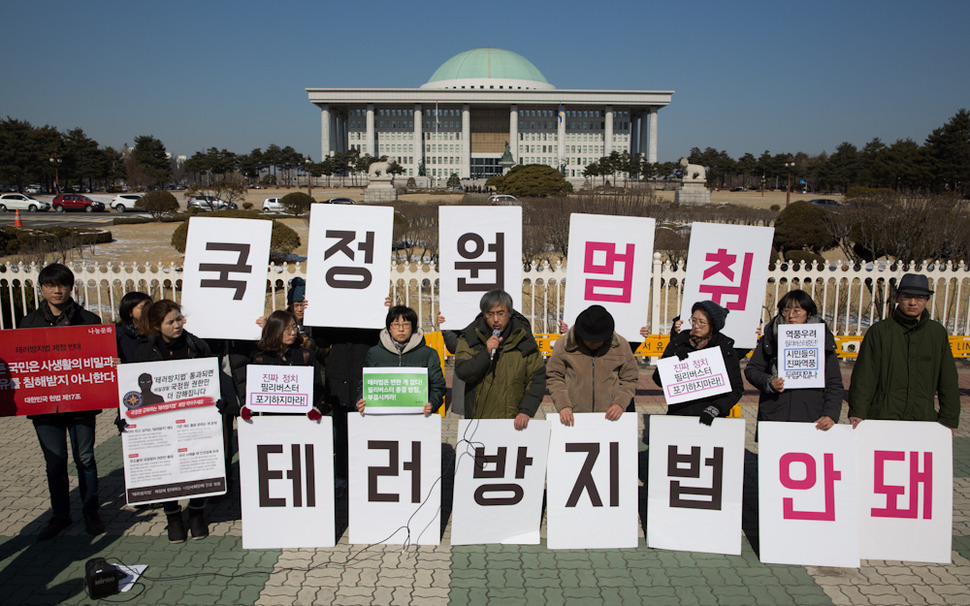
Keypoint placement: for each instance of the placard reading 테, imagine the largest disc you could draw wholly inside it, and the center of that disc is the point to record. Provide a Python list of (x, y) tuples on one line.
[(395, 390), (64, 369), (283, 389), (801, 356), (702, 374), (173, 444)]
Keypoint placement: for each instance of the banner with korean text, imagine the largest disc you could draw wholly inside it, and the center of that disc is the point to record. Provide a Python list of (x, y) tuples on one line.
[(348, 265), (807, 495), (480, 250), (906, 490), (499, 478), (173, 446), (610, 261), (395, 472), (592, 483), (801, 355), (728, 264), (286, 482), (224, 284), (63, 369), (702, 374), (694, 487), (284, 389), (395, 390)]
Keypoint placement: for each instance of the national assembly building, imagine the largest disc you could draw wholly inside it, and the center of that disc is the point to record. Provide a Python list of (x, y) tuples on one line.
[(475, 104)]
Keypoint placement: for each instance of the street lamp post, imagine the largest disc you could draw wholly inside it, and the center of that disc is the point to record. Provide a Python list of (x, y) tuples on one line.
[(789, 166), (57, 163), (309, 178)]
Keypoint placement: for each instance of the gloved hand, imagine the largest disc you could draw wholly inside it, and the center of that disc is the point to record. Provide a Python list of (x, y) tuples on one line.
[(709, 414), (245, 413), (314, 415), (121, 424), (682, 355), (221, 405)]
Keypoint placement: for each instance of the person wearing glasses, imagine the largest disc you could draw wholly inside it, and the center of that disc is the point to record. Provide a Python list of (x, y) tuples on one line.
[(500, 363), (706, 322), (905, 360), (821, 406)]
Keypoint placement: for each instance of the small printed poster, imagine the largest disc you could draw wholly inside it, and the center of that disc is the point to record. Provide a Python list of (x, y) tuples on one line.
[(173, 446), (395, 390), (702, 374), (801, 355), (279, 389)]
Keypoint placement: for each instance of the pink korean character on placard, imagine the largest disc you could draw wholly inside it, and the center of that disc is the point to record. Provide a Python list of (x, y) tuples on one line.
[(722, 263), (612, 290), (829, 477), (917, 477)]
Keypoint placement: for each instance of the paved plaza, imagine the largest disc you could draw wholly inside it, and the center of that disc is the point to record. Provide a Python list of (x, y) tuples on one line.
[(218, 571)]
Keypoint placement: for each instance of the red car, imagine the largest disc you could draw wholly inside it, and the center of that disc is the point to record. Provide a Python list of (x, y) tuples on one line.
[(65, 202)]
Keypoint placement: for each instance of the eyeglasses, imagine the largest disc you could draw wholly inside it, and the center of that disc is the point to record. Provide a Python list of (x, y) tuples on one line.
[(792, 311), (905, 296), (700, 322), (400, 325), (496, 314), (293, 329)]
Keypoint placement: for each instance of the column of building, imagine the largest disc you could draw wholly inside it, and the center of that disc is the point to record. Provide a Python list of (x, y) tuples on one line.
[(418, 141), (561, 137), (514, 132), (652, 145), (608, 131), (369, 134), (325, 124), (465, 171)]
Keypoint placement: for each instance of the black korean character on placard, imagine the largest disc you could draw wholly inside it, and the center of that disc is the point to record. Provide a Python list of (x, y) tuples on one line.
[(357, 278), (709, 498), (225, 269), (302, 474), (585, 482), (497, 461), (391, 469), (472, 246)]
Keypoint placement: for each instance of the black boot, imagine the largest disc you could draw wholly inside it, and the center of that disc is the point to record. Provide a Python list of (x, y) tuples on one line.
[(176, 528), (197, 525)]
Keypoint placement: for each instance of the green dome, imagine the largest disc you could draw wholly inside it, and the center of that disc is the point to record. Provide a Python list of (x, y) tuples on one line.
[(492, 68)]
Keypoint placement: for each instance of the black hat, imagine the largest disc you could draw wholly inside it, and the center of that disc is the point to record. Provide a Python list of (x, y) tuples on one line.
[(714, 312), (595, 324), (297, 291), (914, 284)]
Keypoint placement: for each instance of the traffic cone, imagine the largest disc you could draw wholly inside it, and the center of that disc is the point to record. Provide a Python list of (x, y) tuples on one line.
[(16, 220)]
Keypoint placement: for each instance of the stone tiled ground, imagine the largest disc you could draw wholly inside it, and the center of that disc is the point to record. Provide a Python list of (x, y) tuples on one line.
[(218, 571)]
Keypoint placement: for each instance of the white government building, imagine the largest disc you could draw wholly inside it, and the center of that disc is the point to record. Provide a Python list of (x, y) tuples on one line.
[(460, 120)]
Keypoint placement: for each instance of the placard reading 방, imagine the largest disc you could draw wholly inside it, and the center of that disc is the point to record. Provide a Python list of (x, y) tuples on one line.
[(395, 390), (173, 446), (702, 374), (280, 389), (801, 359)]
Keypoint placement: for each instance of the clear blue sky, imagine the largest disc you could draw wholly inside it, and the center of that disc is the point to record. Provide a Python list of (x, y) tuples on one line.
[(748, 76)]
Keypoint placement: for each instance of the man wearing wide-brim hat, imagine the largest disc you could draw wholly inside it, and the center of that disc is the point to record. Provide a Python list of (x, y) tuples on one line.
[(905, 361)]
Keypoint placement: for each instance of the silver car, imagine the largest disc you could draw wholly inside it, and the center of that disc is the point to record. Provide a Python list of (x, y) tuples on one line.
[(22, 202), (209, 203)]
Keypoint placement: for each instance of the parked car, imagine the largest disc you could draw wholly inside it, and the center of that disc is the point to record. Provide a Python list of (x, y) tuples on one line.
[(22, 202), (503, 200), (124, 202), (340, 201), (210, 203), (32, 189), (65, 202), (739, 188), (824, 202), (272, 205)]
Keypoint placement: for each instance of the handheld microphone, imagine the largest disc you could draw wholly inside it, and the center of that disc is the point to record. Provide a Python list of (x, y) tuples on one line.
[(495, 333)]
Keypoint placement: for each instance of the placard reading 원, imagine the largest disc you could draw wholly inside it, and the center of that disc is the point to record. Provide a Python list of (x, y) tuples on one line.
[(395, 390), (702, 374), (173, 445), (283, 389), (801, 360)]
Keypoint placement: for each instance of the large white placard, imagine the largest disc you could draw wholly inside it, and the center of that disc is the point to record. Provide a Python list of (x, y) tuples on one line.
[(592, 483), (283, 389), (694, 487), (224, 284), (801, 355), (395, 473), (499, 478), (728, 264), (808, 495), (906, 491), (348, 265), (286, 482), (481, 250), (173, 446), (610, 260), (702, 374)]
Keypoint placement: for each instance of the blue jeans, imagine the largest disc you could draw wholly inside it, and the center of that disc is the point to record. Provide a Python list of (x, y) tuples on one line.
[(52, 431)]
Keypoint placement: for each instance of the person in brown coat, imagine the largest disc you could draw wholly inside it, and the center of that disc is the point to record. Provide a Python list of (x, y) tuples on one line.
[(591, 368)]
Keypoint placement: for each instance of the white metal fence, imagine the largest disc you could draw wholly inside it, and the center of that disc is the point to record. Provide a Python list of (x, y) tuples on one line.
[(852, 298)]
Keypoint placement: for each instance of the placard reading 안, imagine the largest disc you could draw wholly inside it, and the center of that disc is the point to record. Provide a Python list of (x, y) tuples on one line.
[(702, 374), (801, 355), (395, 390), (281, 389)]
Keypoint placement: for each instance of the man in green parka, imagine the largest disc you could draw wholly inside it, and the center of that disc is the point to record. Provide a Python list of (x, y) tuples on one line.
[(500, 363), (905, 361)]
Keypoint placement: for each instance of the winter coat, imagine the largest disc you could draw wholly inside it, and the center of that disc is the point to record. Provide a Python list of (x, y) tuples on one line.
[(802, 405), (903, 363), (348, 347), (457, 404), (128, 341), (294, 356), (591, 381), (511, 384), (415, 354), (186, 347), (680, 346)]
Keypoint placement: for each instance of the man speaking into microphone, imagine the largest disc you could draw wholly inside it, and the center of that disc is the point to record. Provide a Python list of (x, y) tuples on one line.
[(500, 363)]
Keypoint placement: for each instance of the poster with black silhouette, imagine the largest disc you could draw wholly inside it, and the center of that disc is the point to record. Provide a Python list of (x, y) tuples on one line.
[(172, 444)]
